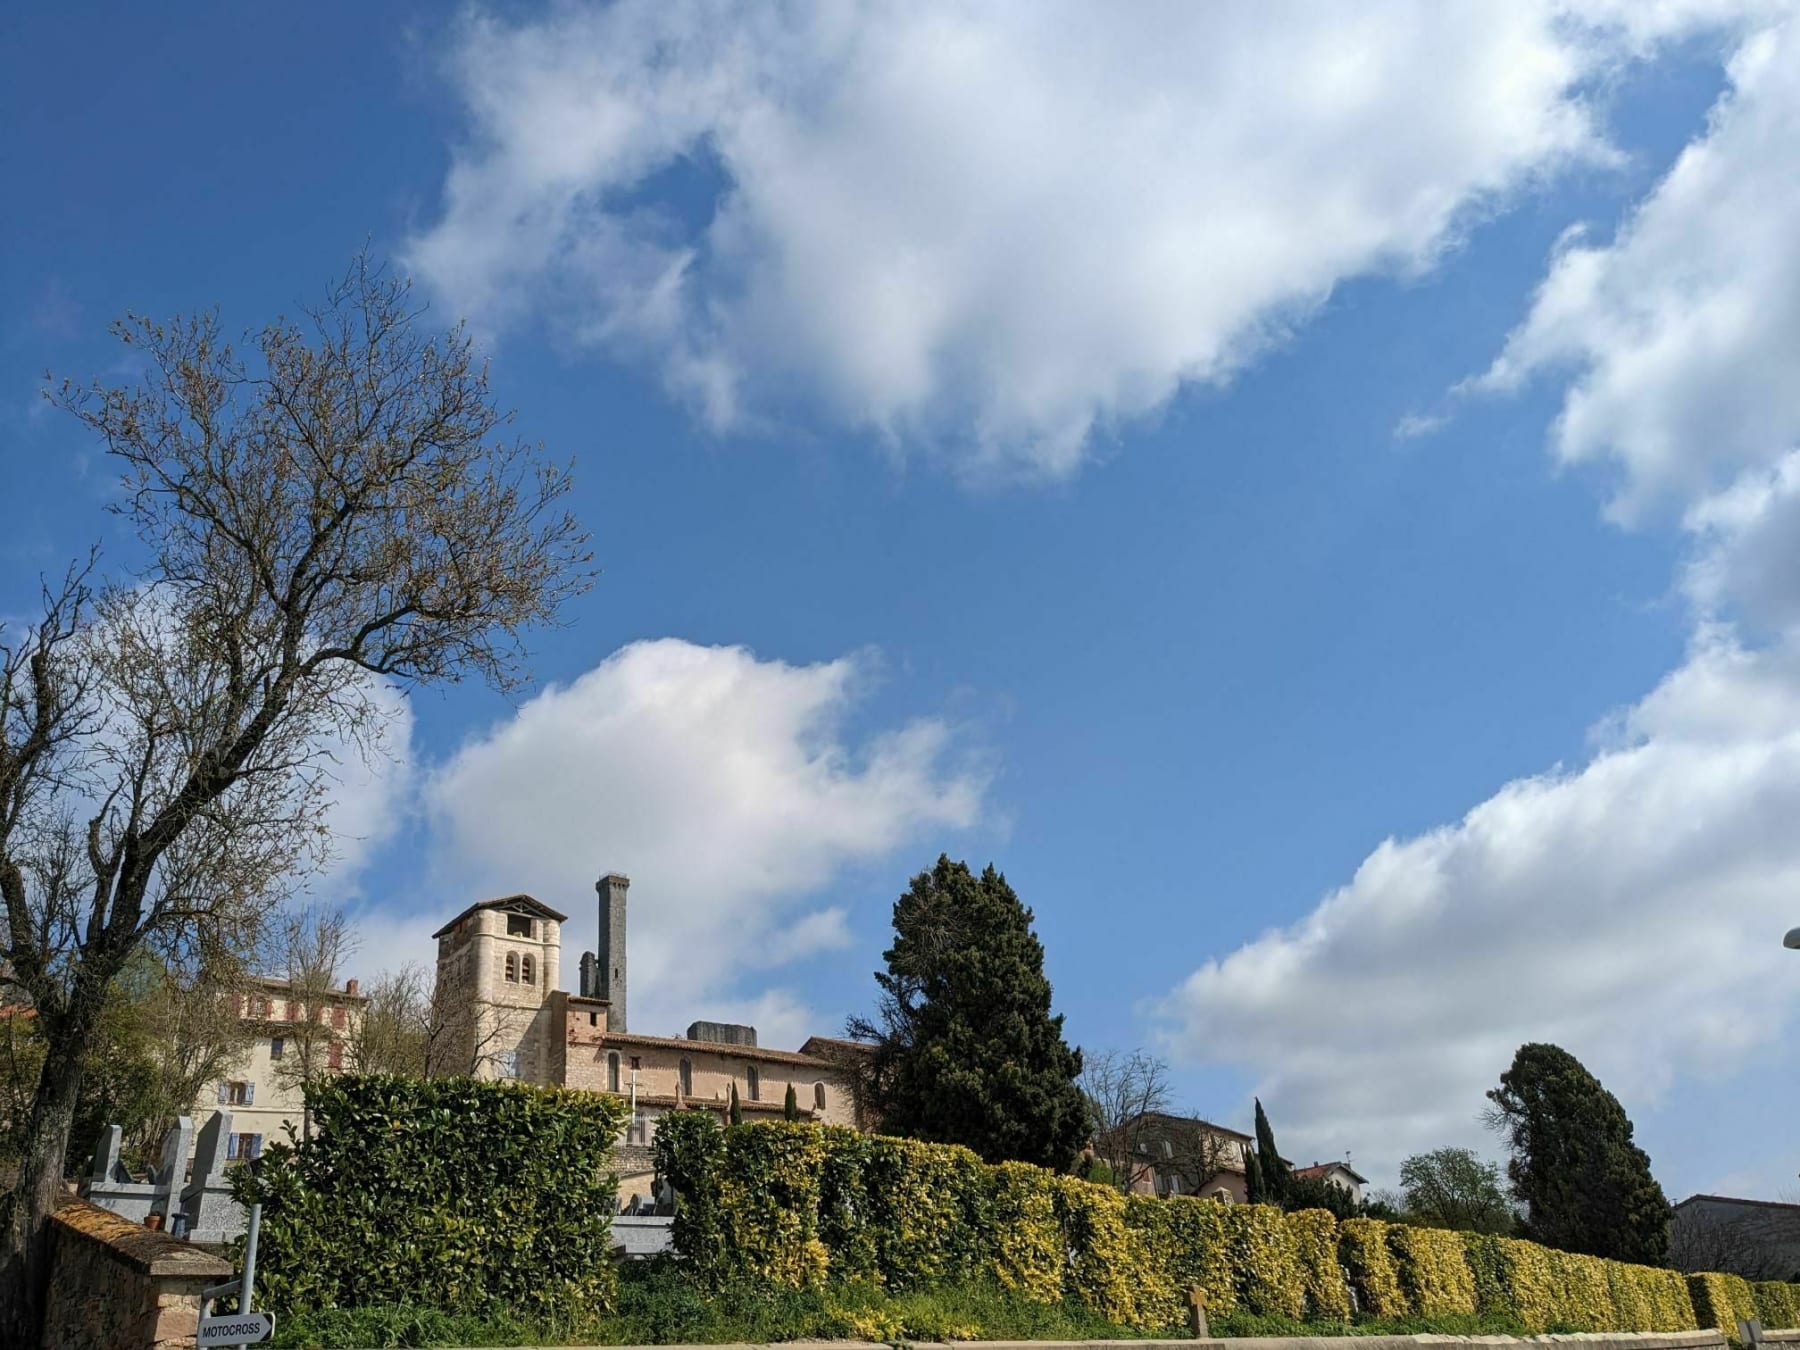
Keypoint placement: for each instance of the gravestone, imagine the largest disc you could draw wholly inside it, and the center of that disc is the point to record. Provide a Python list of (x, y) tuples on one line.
[(110, 1185), (212, 1214), (172, 1173)]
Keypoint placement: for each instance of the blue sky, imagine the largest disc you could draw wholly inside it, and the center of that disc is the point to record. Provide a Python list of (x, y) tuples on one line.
[(1313, 497)]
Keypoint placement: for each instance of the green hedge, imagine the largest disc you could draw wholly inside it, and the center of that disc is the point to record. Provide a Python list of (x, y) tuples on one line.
[(453, 1193), (797, 1205), (1721, 1301)]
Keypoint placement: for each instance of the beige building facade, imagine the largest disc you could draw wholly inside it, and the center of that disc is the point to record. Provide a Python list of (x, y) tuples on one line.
[(295, 1034), (506, 1016)]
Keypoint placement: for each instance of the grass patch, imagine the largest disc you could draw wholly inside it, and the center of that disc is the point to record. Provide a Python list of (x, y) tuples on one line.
[(659, 1305)]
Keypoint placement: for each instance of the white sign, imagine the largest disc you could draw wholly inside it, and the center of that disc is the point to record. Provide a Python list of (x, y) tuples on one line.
[(237, 1329)]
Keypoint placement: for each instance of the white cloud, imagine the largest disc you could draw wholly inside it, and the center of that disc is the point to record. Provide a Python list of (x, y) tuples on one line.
[(371, 788), (1625, 910), (726, 787), (1683, 333), (991, 229)]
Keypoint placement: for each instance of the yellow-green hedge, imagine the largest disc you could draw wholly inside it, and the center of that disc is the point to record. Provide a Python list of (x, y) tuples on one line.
[(792, 1204), (1315, 1237), (1721, 1301), (1363, 1247), (1775, 1303), (1434, 1271)]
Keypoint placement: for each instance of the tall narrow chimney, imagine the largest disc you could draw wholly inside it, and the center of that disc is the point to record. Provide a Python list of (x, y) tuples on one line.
[(612, 888)]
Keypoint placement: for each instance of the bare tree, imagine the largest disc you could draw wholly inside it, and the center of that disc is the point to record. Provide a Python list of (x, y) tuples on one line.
[(341, 508), (462, 1037), (315, 943), (1125, 1093), (394, 1033), (1758, 1241)]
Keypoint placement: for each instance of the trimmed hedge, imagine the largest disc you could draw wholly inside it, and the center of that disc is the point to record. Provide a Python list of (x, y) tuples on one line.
[(448, 1192), (1721, 1301), (1434, 1272), (794, 1205), (1776, 1303)]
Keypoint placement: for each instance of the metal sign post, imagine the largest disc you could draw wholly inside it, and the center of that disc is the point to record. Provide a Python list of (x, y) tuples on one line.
[(242, 1327)]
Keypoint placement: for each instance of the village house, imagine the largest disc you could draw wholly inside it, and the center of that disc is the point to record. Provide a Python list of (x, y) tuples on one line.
[(498, 967), (297, 1034), (1184, 1155)]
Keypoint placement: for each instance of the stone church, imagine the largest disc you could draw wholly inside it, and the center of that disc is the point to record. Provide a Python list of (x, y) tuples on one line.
[(502, 1015)]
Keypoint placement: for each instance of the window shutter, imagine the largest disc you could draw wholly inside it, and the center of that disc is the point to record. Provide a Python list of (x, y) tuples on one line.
[(231, 1146), (249, 1094), (224, 1089), (256, 1146)]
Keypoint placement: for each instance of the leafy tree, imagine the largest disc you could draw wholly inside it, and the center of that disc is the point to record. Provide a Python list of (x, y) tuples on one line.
[(1318, 1193), (967, 1050), (335, 516), (790, 1107), (1275, 1172), (1584, 1185), (1452, 1188)]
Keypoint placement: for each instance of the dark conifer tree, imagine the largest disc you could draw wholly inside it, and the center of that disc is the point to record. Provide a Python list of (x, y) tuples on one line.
[(1585, 1186), (1275, 1172), (1253, 1177), (736, 1113), (790, 1109), (967, 1049)]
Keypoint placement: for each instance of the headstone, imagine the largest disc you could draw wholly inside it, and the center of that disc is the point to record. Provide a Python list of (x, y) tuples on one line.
[(212, 1214), (1197, 1313), (171, 1175), (111, 1186)]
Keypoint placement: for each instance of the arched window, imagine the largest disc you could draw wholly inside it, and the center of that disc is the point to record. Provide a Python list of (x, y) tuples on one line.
[(753, 1080), (512, 968), (527, 970), (818, 1096), (612, 1072), (687, 1078)]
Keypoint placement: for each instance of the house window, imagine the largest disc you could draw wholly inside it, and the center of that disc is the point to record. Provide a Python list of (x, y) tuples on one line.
[(337, 1018), (753, 1080), (243, 1146), (612, 1072), (237, 1093), (1168, 1148), (527, 970), (277, 1046), (818, 1096), (293, 1010), (518, 925), (512, 968), (507, 1064), (334, 1055), (636, 1063), (593, 1019), (686, 1076)]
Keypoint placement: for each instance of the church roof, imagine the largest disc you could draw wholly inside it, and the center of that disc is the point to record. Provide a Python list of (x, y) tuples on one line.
[(515, 904), (731, 1048)]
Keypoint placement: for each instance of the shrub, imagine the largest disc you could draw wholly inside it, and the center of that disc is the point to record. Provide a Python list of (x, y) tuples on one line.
[(1314, 1233), (930, 1208), (1108, 1270), (1188, 1238), (1363, 1248), (1775, 1303), (769, 1202), (1030, 1253), (1261, 1251), (1671, 1306), (1585, 1299), (1721, 1301), (1433, 1270), (449, 1192), (1531, 1282)]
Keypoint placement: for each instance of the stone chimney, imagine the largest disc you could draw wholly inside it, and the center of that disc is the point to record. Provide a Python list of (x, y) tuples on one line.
[(612, 888), (350, 987)]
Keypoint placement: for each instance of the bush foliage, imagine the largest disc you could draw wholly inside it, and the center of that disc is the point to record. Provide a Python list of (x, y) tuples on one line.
[(912, 1216), (460, 1195)]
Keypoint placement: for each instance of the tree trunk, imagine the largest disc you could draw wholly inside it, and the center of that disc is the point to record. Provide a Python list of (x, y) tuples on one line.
[(25, 1214)]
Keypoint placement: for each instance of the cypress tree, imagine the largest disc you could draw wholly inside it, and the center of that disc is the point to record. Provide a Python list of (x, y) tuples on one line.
[(1253, 1177), (1275, 1173), (790, 1108), (968, 1051), (1585, 1186), (736, 1114)]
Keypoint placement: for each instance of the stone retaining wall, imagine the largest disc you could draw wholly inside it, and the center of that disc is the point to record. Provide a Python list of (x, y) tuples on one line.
[(116, 1285)]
